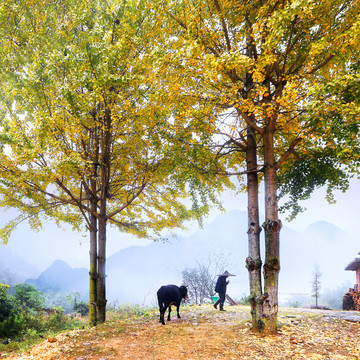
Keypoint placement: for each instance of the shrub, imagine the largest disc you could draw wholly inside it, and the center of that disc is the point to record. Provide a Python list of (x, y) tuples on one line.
[(245, 300), (82, 308), (7, 306), (22, 315), (9, 317), (125, 311), (28, 296)]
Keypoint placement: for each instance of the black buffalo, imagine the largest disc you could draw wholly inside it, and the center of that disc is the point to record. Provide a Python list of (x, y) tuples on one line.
[(170, 295)]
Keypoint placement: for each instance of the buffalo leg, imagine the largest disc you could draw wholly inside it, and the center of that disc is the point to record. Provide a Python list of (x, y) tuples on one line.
[(162, 313), (177, 309), (169, 312)]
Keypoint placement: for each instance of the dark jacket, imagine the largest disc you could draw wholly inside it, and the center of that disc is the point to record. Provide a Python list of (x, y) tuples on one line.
[(221, 284)]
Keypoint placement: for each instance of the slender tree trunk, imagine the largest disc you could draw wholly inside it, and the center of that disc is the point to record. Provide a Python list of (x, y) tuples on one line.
[(101, 288), (253, 261), (93, 271), (272, 227), (104, 194), (94, 150)]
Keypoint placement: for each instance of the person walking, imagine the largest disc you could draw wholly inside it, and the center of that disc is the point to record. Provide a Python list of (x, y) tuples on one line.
[(220, 288)]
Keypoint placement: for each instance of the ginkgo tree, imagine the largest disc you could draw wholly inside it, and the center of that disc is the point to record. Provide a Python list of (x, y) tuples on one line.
[(337, 151), (245, 77), (82, 130)]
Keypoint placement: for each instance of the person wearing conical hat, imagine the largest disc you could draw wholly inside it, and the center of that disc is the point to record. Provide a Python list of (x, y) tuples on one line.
[(220, 288)]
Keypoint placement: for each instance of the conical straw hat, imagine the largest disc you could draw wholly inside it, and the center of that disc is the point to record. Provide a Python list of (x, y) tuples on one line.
[(226, 273)]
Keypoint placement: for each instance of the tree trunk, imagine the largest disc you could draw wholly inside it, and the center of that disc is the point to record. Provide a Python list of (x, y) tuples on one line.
[(94, 150), (101, 289), (93, 271), (104, 194), (272, 227), (253, 261)]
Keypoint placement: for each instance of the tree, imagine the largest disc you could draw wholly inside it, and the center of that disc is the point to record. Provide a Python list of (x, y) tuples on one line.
[(8, 312), (316, 285), (328, 165), (81, 131), (7, 304), (195, 284), (28, 296), (78, 305), (247, 78), (201, 280)]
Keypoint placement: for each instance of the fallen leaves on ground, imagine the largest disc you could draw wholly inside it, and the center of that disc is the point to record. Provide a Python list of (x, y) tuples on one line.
[(204, 333)]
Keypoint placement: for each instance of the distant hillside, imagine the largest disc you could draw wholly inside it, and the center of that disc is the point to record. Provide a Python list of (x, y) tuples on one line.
[(62, 278), (135, 273), (322, 244), (13, 268)]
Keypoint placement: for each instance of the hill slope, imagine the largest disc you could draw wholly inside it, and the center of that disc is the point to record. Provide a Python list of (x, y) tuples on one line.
[(135, 274), (63, 278)]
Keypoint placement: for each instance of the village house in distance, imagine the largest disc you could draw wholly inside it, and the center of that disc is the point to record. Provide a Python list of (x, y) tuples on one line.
[(351, 300)]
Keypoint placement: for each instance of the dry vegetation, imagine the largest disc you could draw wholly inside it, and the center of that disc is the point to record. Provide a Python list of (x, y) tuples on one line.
[(204, 333)]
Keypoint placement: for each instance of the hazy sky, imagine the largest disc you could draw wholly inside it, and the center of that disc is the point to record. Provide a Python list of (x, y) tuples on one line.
[(43, 247), (344, 214)]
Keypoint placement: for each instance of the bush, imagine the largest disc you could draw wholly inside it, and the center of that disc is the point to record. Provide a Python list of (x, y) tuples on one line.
[(54, 299), (128, 311), (294, 304), (12, 326), (79, 306), (57, 321), (28, 296), (9, 317), (22, 315), (82, 308), (245, 300), (7, 304)]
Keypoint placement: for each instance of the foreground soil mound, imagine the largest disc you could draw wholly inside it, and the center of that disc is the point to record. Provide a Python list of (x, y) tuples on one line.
[(204, 333)]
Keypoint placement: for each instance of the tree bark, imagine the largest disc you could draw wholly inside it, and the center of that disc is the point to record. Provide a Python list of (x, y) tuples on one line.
[(101, 284), (93, 271), (272, 227), (104, 194), (253, 261), (94, 149)]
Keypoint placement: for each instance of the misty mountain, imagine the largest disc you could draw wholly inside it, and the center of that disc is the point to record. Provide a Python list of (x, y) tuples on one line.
[(13, 268), (60, 277), (321, 245), (138, 272), (135, 274)]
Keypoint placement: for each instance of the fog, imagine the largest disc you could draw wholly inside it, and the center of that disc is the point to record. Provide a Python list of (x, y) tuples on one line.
[(40, 249)]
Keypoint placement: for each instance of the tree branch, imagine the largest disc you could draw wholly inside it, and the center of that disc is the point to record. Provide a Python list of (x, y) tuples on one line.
[(223, 24), (288, 152)]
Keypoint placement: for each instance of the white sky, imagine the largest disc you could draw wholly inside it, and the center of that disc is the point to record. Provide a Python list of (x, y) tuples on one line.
[(343, 214)]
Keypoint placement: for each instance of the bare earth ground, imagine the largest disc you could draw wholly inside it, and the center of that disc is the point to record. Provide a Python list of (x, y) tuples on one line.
[(204, 333)]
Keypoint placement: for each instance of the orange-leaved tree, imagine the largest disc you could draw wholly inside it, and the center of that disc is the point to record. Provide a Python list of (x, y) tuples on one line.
[(245, 82), (82, 130)]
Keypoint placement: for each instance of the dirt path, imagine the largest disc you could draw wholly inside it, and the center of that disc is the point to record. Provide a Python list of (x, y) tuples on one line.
[(204, 333)]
